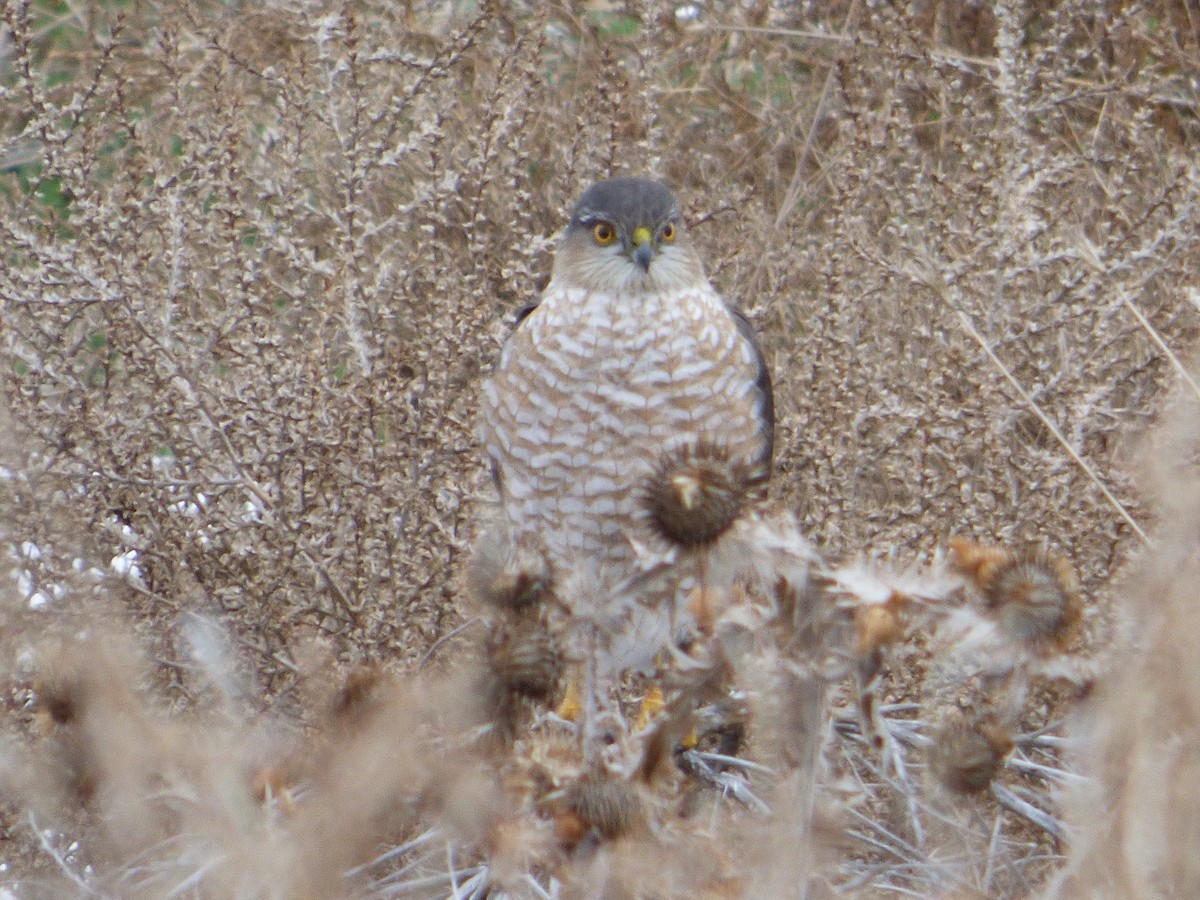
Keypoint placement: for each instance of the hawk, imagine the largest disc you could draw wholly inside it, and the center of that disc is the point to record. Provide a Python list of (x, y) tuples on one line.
[(630, 358)]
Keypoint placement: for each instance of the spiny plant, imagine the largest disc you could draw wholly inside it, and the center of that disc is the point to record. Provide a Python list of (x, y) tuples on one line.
[(256, 261)]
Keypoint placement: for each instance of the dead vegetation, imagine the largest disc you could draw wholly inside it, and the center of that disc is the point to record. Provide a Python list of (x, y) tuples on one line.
[(257, 259)]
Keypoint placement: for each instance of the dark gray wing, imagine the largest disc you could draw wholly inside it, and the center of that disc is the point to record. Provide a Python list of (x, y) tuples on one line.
[(766, 391), (523, 313)]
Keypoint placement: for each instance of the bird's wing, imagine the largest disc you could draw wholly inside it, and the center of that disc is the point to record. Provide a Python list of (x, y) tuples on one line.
[(765, 389), (523, 313)]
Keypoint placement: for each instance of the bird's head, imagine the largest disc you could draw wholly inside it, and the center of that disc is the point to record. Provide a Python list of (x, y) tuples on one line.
[(627, 235)]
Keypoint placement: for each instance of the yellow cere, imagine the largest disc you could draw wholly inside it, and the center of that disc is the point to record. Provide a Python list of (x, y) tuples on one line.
[(641, 235)]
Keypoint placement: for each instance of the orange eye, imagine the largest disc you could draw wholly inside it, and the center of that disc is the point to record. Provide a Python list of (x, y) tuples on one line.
[(668, 232), (604, 233)]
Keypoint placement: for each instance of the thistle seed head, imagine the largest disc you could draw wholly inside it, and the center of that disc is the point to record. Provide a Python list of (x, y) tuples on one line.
[(1034, 596), (525, 660), (697, 493), (360, 696), (967, 754), (878, 625), (508, 577), (605, 804)]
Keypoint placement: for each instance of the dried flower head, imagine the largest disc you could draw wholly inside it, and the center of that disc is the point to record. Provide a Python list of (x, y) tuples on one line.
[(275, 786), (59, 700), (604, 804), (878, 625), (968, 753), (509, 577), (360, 696), (102, 734), (977, 561), (1034, 595), (525, 660), (698, 492)]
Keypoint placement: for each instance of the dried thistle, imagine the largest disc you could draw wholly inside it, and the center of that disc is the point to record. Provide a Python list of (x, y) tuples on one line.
[(361, 696), (601, 803), (878, 625), (93, 714), (1034, 596), (967, 753), (506, 577), (164, 359), (698, 492), (524, 659)]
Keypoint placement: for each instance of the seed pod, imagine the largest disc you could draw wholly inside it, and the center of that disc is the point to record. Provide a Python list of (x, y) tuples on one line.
[(360, 697), (507, 577), (878, 625), (608, 805), (696, 494), (525, 660), (1034, 596), (967, 754)]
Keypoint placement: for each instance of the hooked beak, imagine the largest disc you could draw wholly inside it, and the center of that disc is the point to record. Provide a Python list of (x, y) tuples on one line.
[(643, 248)]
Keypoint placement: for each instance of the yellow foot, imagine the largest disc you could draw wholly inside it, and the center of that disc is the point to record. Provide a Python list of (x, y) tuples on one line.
[(651, 704), (691, 741), (571, 706)]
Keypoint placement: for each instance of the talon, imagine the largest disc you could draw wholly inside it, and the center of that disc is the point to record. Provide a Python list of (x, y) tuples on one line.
[(651, 704), (571, 706), (691, 741)]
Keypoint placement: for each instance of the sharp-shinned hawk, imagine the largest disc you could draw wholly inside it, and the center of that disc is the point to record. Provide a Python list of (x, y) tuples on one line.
[(630, 356)]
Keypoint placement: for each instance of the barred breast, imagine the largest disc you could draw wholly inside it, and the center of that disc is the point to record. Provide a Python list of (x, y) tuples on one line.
[(591, 391)]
